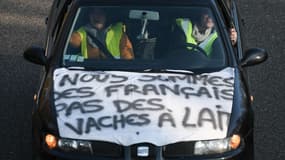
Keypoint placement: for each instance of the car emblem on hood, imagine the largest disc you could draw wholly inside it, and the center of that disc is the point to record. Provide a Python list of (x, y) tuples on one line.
[(143, 151)]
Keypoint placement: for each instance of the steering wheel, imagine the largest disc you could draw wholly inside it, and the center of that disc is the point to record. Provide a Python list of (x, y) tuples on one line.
[(195, 47)]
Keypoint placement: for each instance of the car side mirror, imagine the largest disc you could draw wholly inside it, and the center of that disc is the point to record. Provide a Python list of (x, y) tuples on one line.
[(254, 56), (35, 55)]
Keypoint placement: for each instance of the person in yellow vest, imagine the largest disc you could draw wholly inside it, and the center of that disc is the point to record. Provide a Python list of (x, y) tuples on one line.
[(112, 37), (203, 32)]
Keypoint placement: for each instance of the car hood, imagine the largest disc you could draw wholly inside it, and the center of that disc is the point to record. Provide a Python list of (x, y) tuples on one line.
[(130, 107)]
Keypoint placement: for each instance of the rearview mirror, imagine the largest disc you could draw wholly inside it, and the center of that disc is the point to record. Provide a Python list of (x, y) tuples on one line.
[(254, 56), (35, 55), (142, 14)]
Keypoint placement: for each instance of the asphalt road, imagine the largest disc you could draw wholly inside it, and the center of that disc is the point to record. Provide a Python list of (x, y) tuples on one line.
[(22, 24)]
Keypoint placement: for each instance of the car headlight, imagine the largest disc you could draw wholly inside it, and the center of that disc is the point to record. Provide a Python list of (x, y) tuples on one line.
[(51, 141), (217, 146), (67, 144)]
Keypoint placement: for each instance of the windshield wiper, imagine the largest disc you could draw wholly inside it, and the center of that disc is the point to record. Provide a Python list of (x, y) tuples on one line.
[(168, 71), (184, 71)]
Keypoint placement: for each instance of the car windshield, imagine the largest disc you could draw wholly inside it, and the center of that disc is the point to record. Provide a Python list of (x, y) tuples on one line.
[(145, 37)]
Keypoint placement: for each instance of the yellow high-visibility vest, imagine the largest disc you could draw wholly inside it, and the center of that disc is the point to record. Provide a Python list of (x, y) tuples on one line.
[(187, 27), (113, 38)]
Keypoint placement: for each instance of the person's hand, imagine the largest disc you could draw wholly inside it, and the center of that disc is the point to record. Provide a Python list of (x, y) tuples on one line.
[(233, 36), (75, 39)]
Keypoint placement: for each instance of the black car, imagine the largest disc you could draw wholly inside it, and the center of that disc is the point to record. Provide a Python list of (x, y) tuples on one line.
[(181, 94)]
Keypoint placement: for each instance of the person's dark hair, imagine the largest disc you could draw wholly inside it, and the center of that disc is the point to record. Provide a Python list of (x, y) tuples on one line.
[(96, 10), (201, 14)]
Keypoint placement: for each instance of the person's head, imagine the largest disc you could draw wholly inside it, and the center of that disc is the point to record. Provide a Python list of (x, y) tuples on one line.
[(206, 21), (97, 18)]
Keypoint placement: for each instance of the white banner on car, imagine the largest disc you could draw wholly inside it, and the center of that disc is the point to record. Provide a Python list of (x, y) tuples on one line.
[(129, 107)]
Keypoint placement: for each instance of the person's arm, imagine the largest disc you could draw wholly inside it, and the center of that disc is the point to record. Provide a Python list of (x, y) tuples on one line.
[(75, 39), (126, 48)]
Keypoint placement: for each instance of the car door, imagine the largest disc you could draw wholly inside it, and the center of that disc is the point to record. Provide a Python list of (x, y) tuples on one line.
[(51, 22), (238, 25), (55, 22)]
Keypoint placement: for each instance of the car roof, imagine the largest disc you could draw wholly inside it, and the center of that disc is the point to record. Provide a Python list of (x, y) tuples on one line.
[(148, 2), (224, 5)]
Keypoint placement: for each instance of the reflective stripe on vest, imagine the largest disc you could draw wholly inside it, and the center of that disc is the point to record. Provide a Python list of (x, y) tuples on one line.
[(187, 27), (113, 38), (83, 37)]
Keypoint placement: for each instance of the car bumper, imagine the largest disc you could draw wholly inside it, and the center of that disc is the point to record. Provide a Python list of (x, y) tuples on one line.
[(238, 154)]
